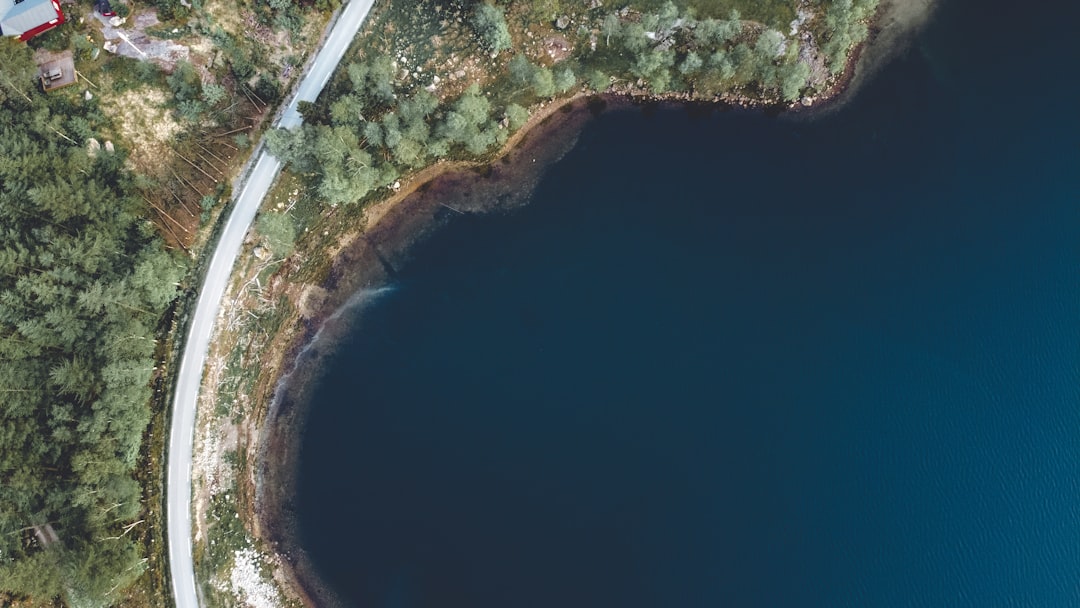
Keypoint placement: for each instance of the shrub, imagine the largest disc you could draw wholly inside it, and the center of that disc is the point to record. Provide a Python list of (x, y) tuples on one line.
[(516, 116), (278, 232), (565, 80), (543, 82), (490, 24), (599, 81)]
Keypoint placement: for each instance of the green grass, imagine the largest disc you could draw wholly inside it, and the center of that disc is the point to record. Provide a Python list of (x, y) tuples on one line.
[(227, 531), (773, 13)]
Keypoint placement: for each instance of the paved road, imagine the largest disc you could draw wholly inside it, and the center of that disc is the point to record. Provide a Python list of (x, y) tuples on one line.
[(258, 182)]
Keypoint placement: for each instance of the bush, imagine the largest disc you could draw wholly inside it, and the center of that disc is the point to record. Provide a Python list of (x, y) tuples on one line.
[(267, 88), (565, 80), (516, 116), (543, 82), (213, 93), (169, 10), (184, 82), (490, 24), (599, 81), (793, 79), (190, 110), (278, 232)]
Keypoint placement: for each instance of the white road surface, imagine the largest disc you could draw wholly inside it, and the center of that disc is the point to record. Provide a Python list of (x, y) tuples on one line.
[(257, 184)]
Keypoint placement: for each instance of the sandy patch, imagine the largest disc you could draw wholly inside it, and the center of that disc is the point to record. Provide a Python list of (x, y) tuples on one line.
[(146, 124), (248, 583)]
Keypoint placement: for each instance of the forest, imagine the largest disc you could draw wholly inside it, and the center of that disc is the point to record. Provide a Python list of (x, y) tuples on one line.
[(371, 127), (84, 284)]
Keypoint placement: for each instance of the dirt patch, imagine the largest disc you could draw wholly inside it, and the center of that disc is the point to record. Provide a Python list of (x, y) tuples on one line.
[(128, 37), (146, 123), (557, 48)]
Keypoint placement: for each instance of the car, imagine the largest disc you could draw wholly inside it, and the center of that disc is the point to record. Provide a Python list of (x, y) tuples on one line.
[(103, 7)]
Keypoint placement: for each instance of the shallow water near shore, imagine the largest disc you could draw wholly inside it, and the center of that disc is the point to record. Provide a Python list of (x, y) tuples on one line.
[(724, 359)]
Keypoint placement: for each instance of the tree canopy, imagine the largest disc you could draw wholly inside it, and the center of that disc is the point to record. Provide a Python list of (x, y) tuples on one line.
[(368, 140), (84, 281)]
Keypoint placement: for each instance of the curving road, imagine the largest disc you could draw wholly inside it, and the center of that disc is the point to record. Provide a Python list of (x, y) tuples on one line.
[(257, 184)]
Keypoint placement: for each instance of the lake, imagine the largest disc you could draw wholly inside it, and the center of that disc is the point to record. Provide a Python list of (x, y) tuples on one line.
[(728, 359)]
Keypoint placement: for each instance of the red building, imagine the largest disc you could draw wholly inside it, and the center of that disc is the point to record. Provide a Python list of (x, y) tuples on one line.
[(28, 18)]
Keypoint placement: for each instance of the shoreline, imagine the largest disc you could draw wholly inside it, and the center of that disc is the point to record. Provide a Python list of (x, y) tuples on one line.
[(365, 258), (363, 262)]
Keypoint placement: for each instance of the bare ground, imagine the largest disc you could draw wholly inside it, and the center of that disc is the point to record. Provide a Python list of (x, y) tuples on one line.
[(130, 39)]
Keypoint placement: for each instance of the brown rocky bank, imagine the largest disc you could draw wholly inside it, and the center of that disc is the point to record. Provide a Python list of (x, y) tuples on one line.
[(364, 262)]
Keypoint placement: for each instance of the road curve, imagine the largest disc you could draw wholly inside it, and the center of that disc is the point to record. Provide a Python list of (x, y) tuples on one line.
[(193, 359)]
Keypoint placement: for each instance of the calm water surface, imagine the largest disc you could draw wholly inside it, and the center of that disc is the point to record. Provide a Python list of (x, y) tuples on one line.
[(740, 361)]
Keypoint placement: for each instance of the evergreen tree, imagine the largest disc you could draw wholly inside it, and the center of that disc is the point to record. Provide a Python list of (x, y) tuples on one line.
[(520, 69), (17, 70), (793, 79), (599, 81), (543, 82), (564, 80), (490, 25), (82, 285), (691, 63), (516, 116)]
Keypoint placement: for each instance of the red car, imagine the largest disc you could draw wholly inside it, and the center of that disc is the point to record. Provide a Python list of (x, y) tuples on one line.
[(102, 6)]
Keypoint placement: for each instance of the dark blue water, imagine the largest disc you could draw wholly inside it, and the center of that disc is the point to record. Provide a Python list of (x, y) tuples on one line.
[(740, 361)]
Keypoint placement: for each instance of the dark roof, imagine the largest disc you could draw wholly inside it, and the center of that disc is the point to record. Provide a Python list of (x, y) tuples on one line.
[(20, 18)]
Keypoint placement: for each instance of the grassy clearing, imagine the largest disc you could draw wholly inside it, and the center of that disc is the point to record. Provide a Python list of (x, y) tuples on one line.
[(773, 13)]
